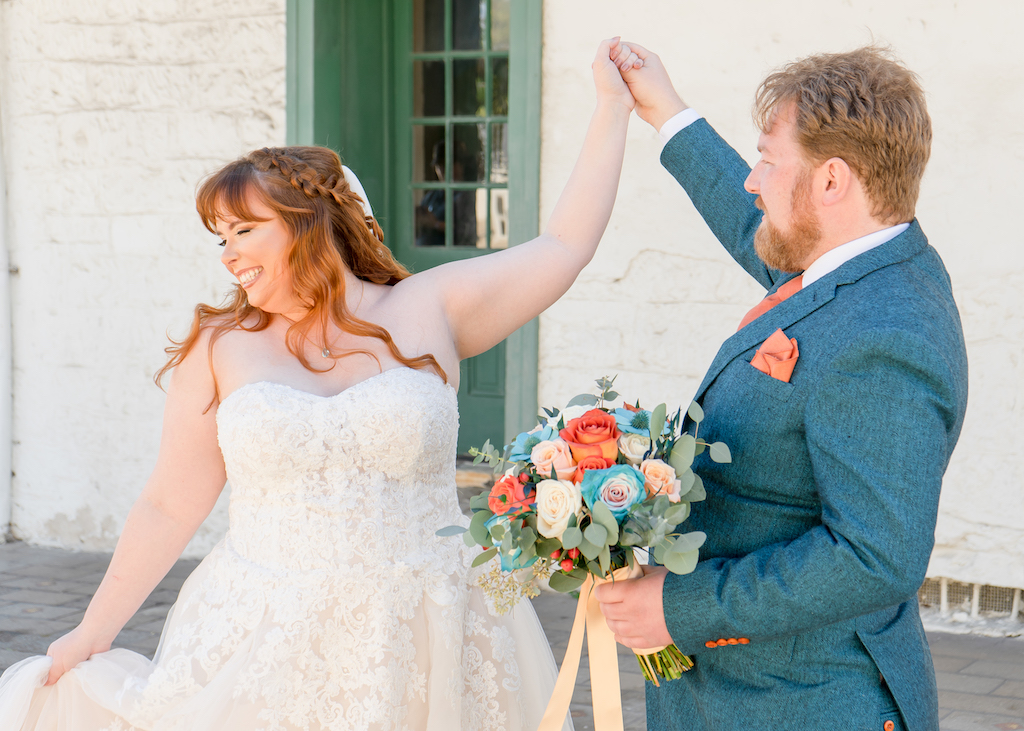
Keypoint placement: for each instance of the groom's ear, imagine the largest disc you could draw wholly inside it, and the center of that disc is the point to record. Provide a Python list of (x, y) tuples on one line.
[(835, 181)]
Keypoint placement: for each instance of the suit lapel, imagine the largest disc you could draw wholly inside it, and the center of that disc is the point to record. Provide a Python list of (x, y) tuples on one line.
[(785, 314)]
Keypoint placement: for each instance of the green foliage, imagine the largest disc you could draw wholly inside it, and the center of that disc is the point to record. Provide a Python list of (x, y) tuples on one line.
[(565, 583), (584, 399), (719, 453), (695, 412), (485, 557), (478, 525), (572, 538), (657, 422), (451, 530)]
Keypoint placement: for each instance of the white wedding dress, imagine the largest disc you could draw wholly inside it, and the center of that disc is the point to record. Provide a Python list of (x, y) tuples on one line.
[(330, 603)]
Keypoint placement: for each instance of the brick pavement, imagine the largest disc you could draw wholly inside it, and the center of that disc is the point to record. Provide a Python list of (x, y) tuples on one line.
[(44, 591)]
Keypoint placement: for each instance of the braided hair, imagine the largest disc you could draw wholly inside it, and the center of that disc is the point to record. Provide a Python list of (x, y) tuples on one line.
[(306, 187)]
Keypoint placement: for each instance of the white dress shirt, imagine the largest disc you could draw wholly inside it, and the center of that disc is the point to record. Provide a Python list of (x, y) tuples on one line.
[(830, 260)]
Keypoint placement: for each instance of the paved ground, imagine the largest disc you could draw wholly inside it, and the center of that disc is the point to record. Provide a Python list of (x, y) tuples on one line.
[(43, 593)]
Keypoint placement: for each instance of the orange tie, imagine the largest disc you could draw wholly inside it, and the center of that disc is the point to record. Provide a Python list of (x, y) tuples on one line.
[(784, 292)]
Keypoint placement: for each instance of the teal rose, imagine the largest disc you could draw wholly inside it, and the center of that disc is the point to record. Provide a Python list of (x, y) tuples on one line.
[(619, 488)]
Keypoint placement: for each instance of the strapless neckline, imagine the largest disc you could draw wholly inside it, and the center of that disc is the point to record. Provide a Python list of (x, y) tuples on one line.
[(354, 387)]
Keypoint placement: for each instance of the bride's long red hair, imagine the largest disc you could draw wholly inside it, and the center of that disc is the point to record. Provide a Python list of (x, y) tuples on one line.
[(307, 189)]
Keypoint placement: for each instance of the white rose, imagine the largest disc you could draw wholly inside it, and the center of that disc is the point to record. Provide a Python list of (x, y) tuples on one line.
[(634, 447), (556, 501), (568, 414)]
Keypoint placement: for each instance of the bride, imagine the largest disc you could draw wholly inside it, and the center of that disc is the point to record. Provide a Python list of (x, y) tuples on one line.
[(324, 390)]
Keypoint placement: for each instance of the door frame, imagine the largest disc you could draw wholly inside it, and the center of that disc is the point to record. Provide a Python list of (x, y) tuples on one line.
[(323, 34)]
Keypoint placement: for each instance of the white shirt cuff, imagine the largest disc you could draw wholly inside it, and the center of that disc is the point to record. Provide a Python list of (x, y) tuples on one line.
[(671, 128)]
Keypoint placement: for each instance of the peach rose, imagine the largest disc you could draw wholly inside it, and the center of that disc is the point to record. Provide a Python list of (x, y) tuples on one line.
[(554, 454), (591, 463), (660, 479), (592, 434), (514, 493)]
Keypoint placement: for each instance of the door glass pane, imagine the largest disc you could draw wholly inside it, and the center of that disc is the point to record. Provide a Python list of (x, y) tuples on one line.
[(468, 153), (499, 24), (429, 222), (427, 153), (428, 88), (470, 218), (499, 218), (469, 87), (428, 26), (499, 88), (499, 153), (468, 17)]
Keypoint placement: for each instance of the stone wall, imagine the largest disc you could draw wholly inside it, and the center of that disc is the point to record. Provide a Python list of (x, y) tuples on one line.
[(662, 295), (112, 111)]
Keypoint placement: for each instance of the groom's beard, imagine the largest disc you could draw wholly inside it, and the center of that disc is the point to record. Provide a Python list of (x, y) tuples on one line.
[(789, 251)]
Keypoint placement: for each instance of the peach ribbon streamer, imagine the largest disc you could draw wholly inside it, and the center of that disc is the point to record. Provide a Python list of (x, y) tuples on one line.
[(604, 661), (777, 356)]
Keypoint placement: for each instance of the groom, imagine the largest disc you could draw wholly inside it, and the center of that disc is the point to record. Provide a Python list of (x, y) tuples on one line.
[(841, 396)]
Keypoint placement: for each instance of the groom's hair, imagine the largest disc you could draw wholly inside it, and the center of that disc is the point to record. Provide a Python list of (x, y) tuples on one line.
[(865, 108)]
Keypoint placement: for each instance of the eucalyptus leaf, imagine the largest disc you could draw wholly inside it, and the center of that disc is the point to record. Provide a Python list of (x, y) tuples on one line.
[(480, 502), (529, 551), (678, 513), (659, 553), (680, 563), (695, 412), (683, 453), (468, 539), (590, 550), (657, 425), (611, 395), (450, 530), (547, 546), (478, 525), (602, 515), (573, 521), (699, 450), (584, 399), (565, 583), (605, 559), (719, 452), (686, 480), (484, 557), (696, 493), (498, 532), (571, 538), (596, 534), (527, 537), (688, 542), (594, 567), (479, 458)]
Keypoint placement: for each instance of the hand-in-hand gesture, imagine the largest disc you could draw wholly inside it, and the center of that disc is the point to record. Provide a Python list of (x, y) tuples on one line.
[(69, 650), (607, 78), (656, 99)]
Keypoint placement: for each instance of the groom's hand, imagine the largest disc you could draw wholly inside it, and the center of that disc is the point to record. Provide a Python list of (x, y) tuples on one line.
[(656, 99), (633, 609)]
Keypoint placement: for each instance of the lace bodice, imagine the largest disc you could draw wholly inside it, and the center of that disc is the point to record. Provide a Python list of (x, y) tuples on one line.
[(363, 477)]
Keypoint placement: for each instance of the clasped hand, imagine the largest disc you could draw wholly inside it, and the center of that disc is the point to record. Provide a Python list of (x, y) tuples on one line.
[(654, 98)]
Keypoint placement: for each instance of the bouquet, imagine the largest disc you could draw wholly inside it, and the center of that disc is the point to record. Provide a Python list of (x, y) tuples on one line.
[(584, 494)]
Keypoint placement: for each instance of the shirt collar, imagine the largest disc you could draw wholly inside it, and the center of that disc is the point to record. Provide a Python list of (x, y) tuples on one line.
[(835, 258)]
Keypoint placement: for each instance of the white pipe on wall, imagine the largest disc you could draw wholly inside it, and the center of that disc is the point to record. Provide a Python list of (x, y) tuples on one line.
[(6, 343)]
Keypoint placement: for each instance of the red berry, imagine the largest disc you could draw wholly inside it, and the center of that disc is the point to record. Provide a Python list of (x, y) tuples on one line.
[(524, 478), (566, 564), (574, 553), (556, 553)]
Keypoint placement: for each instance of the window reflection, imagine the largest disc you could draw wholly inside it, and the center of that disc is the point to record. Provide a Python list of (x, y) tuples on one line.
[(469, 87), (428, 26), (499, 86), (468, 153), (500, 23), (425, 138), (468, 19), (428, 88), (430, 222)]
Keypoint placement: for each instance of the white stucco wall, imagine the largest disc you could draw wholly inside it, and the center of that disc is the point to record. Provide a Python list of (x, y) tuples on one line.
[(112, 111), (662, 295)]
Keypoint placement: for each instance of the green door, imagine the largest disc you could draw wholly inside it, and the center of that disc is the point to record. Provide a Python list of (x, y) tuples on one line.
[(415, 96)]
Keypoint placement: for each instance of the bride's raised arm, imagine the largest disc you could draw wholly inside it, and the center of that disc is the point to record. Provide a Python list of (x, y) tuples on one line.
[(486, 298)]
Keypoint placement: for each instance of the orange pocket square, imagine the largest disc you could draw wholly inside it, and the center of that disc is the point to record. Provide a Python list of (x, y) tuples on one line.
[(777, 356)]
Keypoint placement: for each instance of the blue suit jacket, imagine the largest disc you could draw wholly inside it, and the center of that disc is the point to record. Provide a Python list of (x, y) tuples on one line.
[(819, 532)]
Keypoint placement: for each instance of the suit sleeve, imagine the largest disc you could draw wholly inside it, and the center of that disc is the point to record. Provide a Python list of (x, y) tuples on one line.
[(880, 426), (712, 174)]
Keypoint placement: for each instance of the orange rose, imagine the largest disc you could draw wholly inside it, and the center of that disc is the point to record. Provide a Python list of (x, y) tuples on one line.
[(508, 494), (593, 434), (591, 463)]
